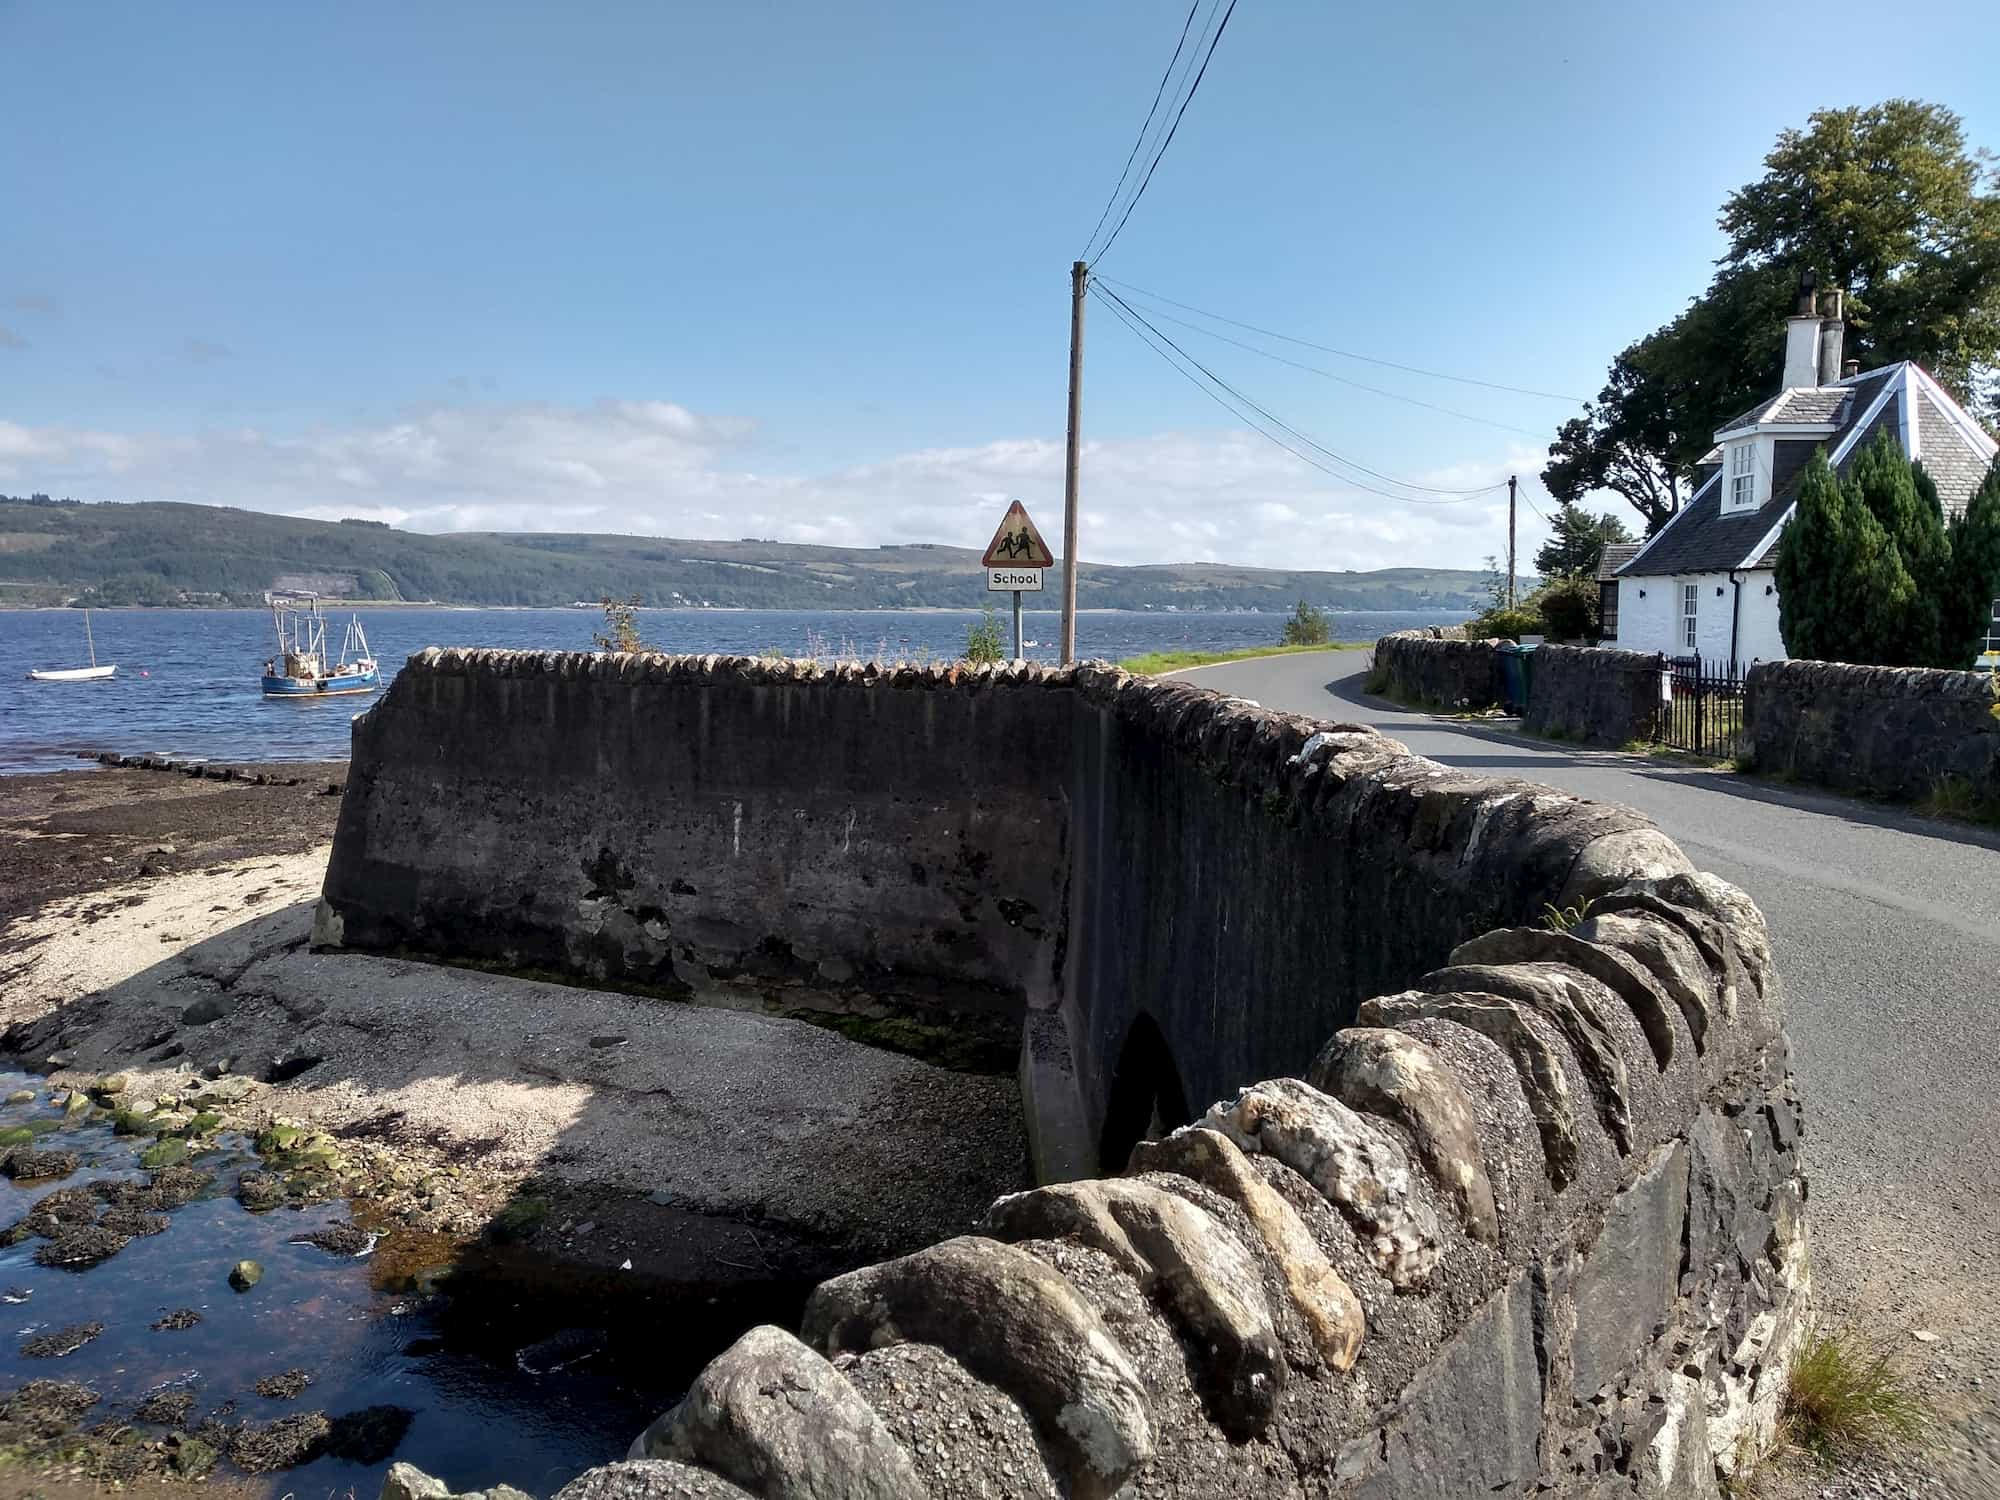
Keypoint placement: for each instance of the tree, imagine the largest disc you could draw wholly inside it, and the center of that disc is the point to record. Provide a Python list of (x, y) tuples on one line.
[(1967, 612), (1903, 501), (1307, 627), (1886, 204), (1579, 542), (621, 626)]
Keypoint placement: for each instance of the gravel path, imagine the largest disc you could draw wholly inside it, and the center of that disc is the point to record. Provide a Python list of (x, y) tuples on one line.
[(1886, 927)]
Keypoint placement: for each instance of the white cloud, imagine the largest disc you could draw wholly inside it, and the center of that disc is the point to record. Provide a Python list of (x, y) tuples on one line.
[(659, 468)]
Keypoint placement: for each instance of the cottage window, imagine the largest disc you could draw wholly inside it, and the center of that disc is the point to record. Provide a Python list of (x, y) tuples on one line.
[(1742, 476), (1690, 604)]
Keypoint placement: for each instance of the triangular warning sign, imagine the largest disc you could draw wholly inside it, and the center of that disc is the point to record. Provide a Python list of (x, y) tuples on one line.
[(1017, 544)]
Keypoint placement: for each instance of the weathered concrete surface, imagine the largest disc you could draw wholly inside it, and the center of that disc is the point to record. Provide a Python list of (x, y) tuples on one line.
[(1079, 856), (1894, 732)]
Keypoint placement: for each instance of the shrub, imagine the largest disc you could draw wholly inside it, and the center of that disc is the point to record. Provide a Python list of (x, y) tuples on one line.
[(1307, 627), (1512, 621), (1847, 1398), (983, 642), (1569, 608), (621, 626)]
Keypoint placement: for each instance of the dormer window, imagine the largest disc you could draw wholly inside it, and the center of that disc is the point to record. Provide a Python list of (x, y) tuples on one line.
[(1742, 475)]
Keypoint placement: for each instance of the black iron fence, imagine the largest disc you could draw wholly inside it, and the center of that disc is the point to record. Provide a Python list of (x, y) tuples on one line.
[(1701, 708)]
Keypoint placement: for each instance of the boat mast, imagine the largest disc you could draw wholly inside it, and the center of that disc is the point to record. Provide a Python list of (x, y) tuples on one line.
[(88, 638)]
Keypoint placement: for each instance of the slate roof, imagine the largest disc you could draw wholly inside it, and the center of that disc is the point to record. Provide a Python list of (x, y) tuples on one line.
[(1616, 555), (1701, 539), (1822, 404)]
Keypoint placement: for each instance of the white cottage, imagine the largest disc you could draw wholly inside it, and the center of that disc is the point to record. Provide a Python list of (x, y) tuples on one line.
[(1705, 584)]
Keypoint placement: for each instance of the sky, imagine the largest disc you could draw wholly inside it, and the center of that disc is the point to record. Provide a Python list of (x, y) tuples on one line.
[(801, 271)]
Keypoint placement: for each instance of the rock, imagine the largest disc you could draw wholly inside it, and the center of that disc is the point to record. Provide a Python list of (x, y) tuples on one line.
[(1543, 1082), (1195, 1266), (1358, 1168), (650, 1480), (1014, 1323), (771, 1415), (245, 1274), (191, 1458), (135, 1117), (60, 1341), (1609, 967), (1669, 955), (1327, 1303), (1629, 1280), (111, 1087), (169, 1151), (48, 1408), (408, 1482), (372, 1434), (176, 1187), (21, 1096), (133, 1223), (80, 1248), (1924, 1336), (208, 1009), (215, 1070), (1396, 1075), (224, 1092), (258, 1191), (285, 1069), (180, 1318), (77, 1104)]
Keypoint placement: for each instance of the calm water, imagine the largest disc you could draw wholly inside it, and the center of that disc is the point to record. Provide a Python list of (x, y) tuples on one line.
[(359, 1327), (187, 682)]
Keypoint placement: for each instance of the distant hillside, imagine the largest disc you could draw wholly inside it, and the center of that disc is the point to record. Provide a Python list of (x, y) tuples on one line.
[(189, 555)]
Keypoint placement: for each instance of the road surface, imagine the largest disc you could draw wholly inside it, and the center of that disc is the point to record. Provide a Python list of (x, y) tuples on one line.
[(1886, 929)]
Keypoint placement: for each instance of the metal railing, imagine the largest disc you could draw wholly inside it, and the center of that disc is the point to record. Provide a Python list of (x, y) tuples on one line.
[(1701, 708)]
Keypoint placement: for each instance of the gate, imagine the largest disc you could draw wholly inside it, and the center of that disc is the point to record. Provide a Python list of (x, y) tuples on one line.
[(1701, 708)]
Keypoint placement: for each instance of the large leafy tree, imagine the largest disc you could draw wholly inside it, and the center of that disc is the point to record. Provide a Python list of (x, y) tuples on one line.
[(1886, 203), (1579, 542)]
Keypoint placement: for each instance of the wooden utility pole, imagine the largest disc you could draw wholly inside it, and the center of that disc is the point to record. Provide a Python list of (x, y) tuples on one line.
[(1079, 278), (1510, 541)]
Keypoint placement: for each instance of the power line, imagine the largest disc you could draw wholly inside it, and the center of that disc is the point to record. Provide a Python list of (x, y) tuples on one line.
[(1463, 416), (1339, 458), (1186, 100), (1140, 140), (1147, 334), (1390, 364)]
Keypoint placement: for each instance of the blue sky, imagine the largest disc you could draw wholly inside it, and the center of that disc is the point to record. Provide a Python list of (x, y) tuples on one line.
[(801, 271)]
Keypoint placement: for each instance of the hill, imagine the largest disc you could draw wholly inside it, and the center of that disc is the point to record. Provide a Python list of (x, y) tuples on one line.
[(190, 555)]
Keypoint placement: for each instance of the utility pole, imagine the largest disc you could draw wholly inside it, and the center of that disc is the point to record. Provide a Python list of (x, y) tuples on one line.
[(1079, 278), (1510, 541)]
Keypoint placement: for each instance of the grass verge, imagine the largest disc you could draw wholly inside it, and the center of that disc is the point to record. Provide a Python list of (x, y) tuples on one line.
[(1848, 1398), (1155, 662)]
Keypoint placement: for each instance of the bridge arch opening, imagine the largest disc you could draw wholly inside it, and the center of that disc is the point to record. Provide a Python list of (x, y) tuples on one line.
[(1147, 1097)]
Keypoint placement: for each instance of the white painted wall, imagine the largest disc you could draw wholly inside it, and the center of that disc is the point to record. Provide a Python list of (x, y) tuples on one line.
[(1654, 622)]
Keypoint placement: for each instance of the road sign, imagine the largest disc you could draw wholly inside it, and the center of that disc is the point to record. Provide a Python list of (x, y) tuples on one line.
[(1013, 580), (1017, 544)]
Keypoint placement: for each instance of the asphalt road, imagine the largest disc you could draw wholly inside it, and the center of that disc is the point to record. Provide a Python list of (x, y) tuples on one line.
[(1886, 929)]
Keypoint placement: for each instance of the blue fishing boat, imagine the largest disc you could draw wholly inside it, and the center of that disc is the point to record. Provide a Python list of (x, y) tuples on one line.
[(301, 668)]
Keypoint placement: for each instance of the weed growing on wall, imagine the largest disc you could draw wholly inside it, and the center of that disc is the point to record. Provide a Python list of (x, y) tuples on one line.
[(1561, 919), (621, 626), (983, 642)]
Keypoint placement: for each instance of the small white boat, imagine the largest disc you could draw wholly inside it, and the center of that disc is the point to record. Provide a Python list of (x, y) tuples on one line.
[(91, 673)]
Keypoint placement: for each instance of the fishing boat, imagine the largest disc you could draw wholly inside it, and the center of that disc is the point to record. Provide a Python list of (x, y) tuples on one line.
[(301, 668), (91, 673)]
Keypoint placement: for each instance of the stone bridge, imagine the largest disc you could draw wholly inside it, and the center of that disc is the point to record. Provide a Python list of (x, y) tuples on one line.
[(1501, 1192)]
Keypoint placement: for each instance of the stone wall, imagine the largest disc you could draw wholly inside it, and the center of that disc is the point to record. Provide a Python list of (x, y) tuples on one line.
[(1418, 666), (1150, 891), (1595, 695), (1534, 1226), (1891, 732), (1514, 1210)]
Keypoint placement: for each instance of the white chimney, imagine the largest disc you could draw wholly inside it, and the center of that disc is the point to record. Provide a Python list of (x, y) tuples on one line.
[(1802, 345), (1832, 335)]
